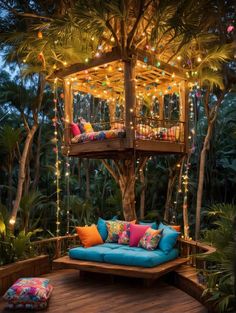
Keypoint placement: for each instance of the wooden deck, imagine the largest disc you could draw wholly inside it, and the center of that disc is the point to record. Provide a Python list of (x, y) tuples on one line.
[(98, 294)]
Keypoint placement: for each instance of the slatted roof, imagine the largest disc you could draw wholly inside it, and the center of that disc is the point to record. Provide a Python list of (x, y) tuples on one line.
[(104, 78)]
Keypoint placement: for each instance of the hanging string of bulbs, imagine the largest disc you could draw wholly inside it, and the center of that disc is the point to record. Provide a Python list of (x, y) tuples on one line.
[(57, 160)]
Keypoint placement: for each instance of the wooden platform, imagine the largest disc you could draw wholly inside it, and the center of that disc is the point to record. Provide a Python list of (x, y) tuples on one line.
[(119, 148), (120, 270), (100, 295)]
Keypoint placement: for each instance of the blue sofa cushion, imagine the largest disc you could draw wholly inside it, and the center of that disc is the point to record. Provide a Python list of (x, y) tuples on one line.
[(95, 253), (168, 239), (123, 255), (135, 256)]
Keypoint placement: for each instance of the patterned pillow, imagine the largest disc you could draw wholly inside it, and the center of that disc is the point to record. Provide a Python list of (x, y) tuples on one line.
[(88, 128), (150, 239), (29, 291), (114, 228), (124, 235)]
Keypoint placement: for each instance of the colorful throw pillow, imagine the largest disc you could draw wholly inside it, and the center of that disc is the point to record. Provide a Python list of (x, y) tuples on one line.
[(168, 239), (29, 291), (136, 233), (124, 235), (102, 227), (114, 228), (144, 130), (153, 225), (75, 129), (88, 128), (89, 236), (150, 239)]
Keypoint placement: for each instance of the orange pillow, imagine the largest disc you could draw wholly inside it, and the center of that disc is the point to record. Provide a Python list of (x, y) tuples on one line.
[(89, 236), (176, 227)]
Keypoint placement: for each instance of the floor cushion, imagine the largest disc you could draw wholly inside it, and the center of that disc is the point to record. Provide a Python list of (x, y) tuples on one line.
[(29, 293)]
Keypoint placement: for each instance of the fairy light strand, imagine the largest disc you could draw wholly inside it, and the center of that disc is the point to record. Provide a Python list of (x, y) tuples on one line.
[(57, 162)]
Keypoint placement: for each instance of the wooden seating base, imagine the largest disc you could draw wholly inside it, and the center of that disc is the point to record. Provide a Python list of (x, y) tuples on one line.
[(121, 270)]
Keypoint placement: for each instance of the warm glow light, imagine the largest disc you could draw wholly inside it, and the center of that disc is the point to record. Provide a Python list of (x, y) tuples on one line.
[(199, 59), (12, 221), (179, 57)]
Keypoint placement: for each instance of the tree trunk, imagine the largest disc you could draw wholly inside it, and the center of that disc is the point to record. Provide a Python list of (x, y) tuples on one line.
[(127, 187), (37, 158), (23, 158), (21, 174), (201, 179), (170, 188)]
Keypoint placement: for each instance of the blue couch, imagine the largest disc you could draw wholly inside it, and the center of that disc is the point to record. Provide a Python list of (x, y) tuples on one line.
[(124, 255)]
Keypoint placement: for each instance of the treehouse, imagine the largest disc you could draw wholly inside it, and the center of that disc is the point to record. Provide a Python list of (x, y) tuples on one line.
[(129, 81)]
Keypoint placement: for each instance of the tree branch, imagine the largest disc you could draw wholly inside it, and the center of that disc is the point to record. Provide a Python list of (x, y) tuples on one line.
[(111, 171)]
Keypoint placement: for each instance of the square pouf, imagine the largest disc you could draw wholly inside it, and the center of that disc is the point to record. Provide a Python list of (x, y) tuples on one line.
[(29, 293)]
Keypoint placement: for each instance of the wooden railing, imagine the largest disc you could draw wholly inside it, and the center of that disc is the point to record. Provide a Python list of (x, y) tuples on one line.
[(55, 247), (194, 250)]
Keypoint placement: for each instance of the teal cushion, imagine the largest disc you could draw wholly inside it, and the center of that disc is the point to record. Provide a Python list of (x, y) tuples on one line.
[(134, 256), (168, 239), (95, 253), (102, 227), (153, 225)]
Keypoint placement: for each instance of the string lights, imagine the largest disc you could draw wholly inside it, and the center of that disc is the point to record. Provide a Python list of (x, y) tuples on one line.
[(58, 162)]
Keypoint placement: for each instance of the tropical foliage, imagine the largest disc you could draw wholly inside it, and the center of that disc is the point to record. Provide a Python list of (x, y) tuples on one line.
[(221, 274)]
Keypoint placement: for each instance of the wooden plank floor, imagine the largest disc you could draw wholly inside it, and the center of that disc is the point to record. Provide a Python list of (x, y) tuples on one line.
[(98, 294)]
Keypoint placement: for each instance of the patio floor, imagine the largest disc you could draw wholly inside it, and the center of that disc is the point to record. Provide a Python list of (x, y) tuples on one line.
[(99, 294)]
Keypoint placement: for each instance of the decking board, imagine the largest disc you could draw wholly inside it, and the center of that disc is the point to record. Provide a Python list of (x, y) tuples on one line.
[(93, 295)]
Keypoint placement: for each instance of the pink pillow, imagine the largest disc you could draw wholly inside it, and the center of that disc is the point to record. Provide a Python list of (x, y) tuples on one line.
[(75, 129), (136, 233)]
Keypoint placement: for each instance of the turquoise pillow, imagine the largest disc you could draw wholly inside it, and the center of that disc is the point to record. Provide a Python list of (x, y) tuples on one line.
[(153, 225), (102, 227), (168, 239)]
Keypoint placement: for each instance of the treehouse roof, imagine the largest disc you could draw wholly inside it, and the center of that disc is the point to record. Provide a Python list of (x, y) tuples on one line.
[(103, 77)]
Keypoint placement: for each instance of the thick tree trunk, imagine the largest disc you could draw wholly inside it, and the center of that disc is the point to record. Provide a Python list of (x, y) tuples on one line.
[(127, 187)]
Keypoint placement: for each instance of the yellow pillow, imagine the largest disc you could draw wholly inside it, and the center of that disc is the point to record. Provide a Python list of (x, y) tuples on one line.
[(88, 127), (89, 236)]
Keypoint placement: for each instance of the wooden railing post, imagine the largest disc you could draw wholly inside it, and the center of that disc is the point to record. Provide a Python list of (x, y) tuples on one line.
[(68, 110)]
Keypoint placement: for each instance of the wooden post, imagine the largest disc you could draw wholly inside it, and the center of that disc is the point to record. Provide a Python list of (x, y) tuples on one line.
[(68, 110), (161, 108), (183, 114), (130, 99)]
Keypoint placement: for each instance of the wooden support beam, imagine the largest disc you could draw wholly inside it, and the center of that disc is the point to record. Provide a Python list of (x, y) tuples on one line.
[(114, 55), (161, 107), (152, 60), (183, 112), (68, 110), (130, 98)]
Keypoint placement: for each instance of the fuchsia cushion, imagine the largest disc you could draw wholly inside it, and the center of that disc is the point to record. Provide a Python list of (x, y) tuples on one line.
[(136, 233), (75, 129)]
